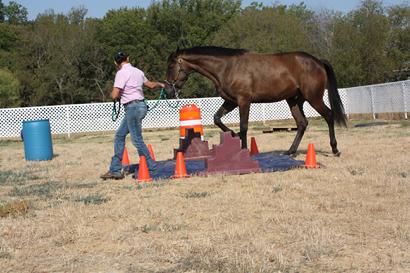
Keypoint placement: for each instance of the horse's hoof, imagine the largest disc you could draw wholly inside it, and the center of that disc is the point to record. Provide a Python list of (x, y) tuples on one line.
[(233, 134), (290, 153), (337, 153)]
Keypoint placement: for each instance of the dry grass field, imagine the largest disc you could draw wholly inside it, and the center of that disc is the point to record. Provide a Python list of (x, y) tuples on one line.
[(352, 215)]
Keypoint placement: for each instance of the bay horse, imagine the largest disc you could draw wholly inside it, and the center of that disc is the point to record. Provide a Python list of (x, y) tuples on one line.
[(242, 77)]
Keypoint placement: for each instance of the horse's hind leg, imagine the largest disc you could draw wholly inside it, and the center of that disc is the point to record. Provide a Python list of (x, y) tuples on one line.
[(226, 107), (326, 113), (296, 108)]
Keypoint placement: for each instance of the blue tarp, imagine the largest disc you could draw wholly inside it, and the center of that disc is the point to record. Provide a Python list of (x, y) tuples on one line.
[(268, 162)]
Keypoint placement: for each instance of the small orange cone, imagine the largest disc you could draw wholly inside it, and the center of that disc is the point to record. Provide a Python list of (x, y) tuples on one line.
[(180, 169), (125, 158), (254, 147), (143, 172), (151, 152), (311, 157)]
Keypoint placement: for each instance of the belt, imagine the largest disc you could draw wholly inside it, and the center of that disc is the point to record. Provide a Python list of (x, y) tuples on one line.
[(133, 101)]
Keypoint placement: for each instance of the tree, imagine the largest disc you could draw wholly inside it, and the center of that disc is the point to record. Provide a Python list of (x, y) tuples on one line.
[(265, 29), (1, 11), (9, 40), (9, 89), (59, 57), (186, 23), (360, 45), (373, 27), (344, 52), (15, 13), (399, 41)]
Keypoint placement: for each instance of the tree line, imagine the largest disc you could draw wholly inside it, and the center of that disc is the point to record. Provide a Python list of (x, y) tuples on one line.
[(68, 58)]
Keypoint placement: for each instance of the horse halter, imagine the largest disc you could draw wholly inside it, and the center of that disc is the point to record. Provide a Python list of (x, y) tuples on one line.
[(172, 84)]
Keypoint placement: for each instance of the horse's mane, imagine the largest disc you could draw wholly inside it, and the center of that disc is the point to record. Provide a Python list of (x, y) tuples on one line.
[(212, 50)]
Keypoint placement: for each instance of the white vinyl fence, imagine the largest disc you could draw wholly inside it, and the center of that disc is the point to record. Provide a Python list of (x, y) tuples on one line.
[(93, 117)]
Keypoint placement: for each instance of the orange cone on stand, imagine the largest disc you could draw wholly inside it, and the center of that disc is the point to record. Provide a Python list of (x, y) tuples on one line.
[(254, 147), (151, 152), (311, 157), (180, 169), (143, 172), (125, 158)]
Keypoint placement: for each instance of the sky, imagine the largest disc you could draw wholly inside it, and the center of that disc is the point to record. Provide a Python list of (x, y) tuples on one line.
[(98, 8)]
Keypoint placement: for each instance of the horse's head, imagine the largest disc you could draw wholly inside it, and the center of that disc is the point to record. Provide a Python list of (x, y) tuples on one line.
[(177, 74)]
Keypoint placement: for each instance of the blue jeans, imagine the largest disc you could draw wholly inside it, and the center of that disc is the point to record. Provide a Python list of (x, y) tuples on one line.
[(131, 123)]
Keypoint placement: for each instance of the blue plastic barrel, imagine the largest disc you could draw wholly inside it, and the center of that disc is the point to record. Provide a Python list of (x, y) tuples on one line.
[(36, 135)]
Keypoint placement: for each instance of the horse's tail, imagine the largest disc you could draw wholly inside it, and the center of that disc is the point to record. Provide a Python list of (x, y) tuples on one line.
[(336, 104)]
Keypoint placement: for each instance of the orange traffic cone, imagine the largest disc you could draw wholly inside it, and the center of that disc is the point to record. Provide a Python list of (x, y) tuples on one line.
[(254, 147), (151, 152), (125, 158), (143, 172), (180, 169), (311, 157)]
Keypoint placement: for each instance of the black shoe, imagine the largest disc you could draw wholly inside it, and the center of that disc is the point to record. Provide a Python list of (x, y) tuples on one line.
[(111, 175)]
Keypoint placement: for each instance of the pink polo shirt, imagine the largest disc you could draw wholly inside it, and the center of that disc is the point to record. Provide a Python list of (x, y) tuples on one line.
[(130, 80)]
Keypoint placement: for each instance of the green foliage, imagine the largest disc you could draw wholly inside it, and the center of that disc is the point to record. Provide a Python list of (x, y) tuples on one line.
[(62, 62), (7, 37), (399, 41), (9, 90), (68, 58), (1, 12), (269, 29), (13, 13)]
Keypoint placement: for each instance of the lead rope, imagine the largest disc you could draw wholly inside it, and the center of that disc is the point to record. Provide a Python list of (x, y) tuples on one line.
[(115, 112), (162, 96)]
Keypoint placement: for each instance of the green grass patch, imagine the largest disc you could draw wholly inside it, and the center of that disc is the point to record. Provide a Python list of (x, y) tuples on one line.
[(94, 199), (5, 255), (165, 227), (356, 171), (277, 188), (404, 174), (149, 185), (12, 178), (8, 142), (193, 194), (42, 191), (404, 123), (82, 185)]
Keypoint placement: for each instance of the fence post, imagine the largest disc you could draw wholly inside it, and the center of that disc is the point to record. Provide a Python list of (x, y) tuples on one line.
[(403, 91), (67, 120), (372, 100)]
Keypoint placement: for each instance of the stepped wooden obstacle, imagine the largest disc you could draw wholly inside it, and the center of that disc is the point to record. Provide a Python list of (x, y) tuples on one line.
[(228, 157)]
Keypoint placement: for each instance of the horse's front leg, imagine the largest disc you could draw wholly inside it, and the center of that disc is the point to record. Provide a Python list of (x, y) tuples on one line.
[(244, 119), (226, 107)]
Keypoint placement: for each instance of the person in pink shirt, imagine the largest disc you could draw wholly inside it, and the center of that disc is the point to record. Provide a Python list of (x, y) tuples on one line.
[(128, 87)]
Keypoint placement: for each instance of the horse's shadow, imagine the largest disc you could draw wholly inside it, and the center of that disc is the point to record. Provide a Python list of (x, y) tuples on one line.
[(302, 152)]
